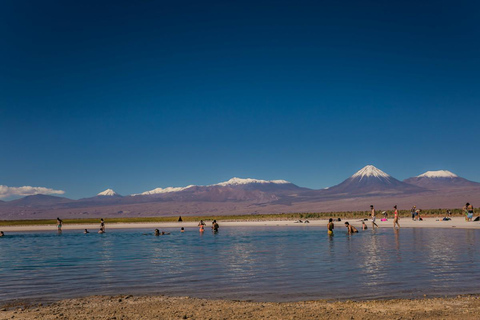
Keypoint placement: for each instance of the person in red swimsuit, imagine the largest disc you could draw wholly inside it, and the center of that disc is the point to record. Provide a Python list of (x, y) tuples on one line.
[(395, 220)]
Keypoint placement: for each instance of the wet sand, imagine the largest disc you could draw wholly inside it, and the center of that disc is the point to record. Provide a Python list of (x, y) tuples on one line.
[(161, 307), (456, 222)]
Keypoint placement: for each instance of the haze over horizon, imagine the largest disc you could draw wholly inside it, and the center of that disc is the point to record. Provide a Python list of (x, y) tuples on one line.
[(138, 95)]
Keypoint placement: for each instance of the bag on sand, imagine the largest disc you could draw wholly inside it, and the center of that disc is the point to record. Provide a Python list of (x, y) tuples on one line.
[(477, 219)]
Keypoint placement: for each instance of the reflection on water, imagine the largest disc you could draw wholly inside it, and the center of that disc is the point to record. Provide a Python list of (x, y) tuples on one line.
[(266, 264)]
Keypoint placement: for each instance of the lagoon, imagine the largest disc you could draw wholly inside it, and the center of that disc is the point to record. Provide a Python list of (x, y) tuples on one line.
[(244, 263)]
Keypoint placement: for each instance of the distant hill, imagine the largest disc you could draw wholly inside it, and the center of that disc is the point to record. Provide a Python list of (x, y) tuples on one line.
[(38, 200), (434, 189), (440, 180)]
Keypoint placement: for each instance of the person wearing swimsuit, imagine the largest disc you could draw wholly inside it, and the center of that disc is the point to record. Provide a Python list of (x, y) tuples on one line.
[(351, 229), (469, 210), (373, 217), (201, 224), (330, 227), (395, 220), (59, 224)]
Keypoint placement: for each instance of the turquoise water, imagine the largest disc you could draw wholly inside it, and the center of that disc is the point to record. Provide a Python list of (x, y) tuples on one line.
[(246, 263)]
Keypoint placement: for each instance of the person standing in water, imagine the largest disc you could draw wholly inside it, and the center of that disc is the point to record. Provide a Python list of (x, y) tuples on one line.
[(330, 227), (373, 217), (59, 224), (201, 224), (395, 219), (215, 226), (364, 226), (102, 225)]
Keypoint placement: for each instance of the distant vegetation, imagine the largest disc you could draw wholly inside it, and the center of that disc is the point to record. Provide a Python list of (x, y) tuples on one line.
[(246, 217)]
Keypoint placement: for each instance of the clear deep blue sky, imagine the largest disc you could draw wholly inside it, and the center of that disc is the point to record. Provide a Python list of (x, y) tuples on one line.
[(133, 95)]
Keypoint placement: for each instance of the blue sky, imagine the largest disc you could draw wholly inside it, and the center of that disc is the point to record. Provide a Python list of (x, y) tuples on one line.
[(134, 95)]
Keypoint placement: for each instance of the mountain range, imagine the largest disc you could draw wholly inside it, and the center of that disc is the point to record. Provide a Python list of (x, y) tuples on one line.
[(432, 189)]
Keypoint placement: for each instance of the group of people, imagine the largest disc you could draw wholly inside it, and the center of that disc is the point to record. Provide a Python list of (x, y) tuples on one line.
[(351, 229), (202, 225), (373, 214), (468, 209), (102, 227), (157, 232), (415, 214)]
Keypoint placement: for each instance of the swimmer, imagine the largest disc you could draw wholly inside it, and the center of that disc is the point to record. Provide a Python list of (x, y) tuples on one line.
[(59, 224), (85, 231), (102, 225), (202, 228), (2, 234), (157, 232), (101, 231), (364, 226), (330, 227), (182, 229), (351, 229), (215, 226), (164, 233)]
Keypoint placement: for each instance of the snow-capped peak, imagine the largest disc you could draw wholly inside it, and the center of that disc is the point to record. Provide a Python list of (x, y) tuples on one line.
[(438, 174), (370, 171), (108, 192), (164, 190), (231, 182), (239, 181)]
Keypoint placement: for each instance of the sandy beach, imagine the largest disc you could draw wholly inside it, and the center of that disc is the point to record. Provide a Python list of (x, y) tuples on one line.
[(456, 222), (161, 307)]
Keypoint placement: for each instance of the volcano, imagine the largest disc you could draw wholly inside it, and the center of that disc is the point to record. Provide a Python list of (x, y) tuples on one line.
[(372, 181), (441, 180)]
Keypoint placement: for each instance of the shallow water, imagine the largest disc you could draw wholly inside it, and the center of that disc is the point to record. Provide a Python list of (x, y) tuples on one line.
[(246, 263)]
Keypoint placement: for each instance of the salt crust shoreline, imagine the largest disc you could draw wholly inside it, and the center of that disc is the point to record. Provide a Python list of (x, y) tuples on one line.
[(162, 307), (456, 222)]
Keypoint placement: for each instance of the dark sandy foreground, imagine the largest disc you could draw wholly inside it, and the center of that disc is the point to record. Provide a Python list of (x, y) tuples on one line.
[(161, 307)]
